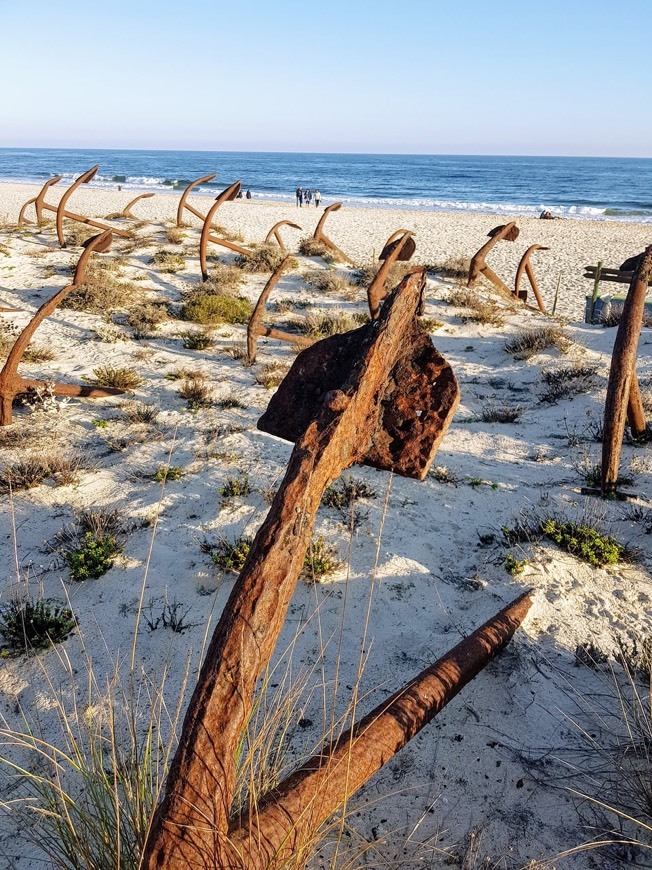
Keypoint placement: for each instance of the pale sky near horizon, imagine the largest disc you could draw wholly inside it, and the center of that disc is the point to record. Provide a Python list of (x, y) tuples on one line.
[(562, 77)]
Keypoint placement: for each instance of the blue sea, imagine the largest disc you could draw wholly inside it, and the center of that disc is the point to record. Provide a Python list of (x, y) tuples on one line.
[(586, 187)]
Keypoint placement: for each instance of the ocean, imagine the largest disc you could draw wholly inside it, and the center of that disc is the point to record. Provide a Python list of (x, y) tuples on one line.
[(584, 187)]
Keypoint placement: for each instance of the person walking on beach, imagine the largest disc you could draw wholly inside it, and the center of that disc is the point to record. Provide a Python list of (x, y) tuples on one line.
[(248, 194), (299, 197), (317, 196), (307, 195)]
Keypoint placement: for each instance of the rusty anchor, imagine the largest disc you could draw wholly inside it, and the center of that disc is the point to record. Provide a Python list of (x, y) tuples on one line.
[(126, 211), (623, 392), (274, 233), (11, 383), (226, 196), (400, 246), (380, 395), (256, 327), (40, 205), (185, 205), (507, 232), (526, 267), (284, 824), (320, 236)]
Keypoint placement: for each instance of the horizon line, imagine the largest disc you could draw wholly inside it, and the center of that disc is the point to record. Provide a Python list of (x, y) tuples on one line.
[(323, 153)]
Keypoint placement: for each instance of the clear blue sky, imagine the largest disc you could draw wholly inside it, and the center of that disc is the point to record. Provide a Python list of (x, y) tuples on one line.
[(461, 76)]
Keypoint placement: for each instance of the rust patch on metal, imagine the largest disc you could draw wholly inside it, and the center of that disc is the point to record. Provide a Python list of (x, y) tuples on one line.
[(256, 327), (320, 236), (285, 822), (623, 393), (400, 246), (526, 267), (226, 196), (350, 413), (274, 233), (506, 232), (11, 383)]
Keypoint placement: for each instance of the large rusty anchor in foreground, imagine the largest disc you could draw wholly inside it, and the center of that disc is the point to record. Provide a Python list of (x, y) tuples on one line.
[(11, 383), (206, 236), (256, 327), (380, 395), (624, 400), (274, 233), (40, 205), (320, 236), (509, 233), (400, 246)]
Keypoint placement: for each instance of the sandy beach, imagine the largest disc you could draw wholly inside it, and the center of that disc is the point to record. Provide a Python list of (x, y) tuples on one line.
[(500, 778)]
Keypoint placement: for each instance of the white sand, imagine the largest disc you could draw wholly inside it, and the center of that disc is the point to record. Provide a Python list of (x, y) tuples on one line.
[(489, 778)]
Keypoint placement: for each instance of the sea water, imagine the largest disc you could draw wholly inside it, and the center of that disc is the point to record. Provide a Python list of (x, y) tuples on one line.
[(587, 187)]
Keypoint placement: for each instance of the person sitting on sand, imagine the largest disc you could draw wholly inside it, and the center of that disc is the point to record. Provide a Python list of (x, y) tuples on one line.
[(299, 197), (317, 197), (248, 194)]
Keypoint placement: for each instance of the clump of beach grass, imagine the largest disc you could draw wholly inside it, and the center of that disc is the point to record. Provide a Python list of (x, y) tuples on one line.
[(527, 344), (263, 258)]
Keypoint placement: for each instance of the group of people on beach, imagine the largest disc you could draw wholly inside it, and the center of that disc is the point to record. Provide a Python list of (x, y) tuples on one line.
[(307, 196)]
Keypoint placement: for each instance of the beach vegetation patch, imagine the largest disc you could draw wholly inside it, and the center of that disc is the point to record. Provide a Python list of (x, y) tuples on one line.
[(125, 378), (145, 318), (198, 340), (263, 258), (29, 626), (475, 308), (583, 541), (567, 381), (103, 289), (324, 323), (272, 374), (346, 491), (93, 558), (235, 487), (175, 235), (168, 262), (230, 556), (212, 309), (500, 413), (141, 412), (329, 281), (197, 392), (527, 344), (320, 560), (451, 267)]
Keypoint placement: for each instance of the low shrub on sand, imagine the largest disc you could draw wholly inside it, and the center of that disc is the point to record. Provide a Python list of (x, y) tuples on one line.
[(211, 309), (103, 290), (263, 258), (527, 344), (168, 262)]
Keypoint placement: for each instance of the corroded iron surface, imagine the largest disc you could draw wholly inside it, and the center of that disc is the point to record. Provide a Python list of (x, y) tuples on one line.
[(41, 205), (226, 196), (183, 203), (283, 825), (505, 232), (274, 233), (526, 267), (623, 394), (415, 405), (256, 327), (190, 827), (38, 201), (320, 236), (126, 211), (399, 246), (11, 383)]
